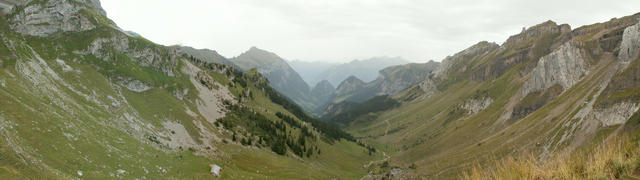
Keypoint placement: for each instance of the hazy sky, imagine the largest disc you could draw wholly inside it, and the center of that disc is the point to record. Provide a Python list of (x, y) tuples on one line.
[(343, 30)]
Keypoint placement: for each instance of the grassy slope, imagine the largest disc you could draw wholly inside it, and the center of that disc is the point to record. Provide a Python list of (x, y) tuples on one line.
[(442, 141)]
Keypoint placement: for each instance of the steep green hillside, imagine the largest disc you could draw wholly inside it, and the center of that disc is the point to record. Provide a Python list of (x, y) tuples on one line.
[(547, 90), (81, 99)]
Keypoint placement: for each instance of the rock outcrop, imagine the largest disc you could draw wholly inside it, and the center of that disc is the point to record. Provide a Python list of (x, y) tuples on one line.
[(162, 59), (616, 114), (428, 86), (46, 18), (564, 66), (630, 47), (473, 106)]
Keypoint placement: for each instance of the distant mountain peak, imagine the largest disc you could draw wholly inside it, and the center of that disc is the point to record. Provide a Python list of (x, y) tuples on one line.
[(324, 83), (256, 50), (353, 79)]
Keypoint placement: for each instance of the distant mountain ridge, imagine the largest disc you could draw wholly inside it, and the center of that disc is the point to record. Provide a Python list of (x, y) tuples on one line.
[(365, 70), (310, 71), (280, 75), (391, 81)]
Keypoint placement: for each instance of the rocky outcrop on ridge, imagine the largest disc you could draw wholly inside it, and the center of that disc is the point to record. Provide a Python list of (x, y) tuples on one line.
[(46, 18)]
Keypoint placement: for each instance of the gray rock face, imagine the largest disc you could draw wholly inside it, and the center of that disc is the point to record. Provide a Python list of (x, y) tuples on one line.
[(474, 106), (44, 19), (630, 47), (145, 56), (564, 66), (614, 115), (428, 87)]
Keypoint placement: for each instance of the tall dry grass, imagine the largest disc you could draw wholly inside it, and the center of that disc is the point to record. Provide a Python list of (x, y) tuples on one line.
[(616, 159)]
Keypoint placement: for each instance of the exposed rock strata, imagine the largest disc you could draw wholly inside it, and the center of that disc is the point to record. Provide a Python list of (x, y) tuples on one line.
[(564, 66), (44, 19), (630, 46)]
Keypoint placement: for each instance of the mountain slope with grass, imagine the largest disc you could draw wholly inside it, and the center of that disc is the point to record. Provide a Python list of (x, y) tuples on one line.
[(281, 76), (546, 91), (80, 98)]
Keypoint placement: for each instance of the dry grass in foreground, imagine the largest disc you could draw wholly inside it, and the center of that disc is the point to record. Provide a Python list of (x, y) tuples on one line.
[(617, 159)]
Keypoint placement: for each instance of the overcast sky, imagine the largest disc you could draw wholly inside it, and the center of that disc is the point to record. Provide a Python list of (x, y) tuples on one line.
[(343, 30)]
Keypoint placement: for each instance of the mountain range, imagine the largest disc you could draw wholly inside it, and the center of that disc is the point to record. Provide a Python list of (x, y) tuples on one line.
[(366, 69), (82, 99)]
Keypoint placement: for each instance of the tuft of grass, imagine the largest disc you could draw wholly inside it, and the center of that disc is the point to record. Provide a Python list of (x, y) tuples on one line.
[(615, 159)]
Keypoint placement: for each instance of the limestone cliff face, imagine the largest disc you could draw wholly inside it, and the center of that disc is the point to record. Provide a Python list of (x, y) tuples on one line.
[(46, 18), (630, 46), (564, 66)]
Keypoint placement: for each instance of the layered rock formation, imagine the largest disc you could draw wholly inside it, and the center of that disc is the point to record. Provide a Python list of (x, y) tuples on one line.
[(45, 18), (564, 66)]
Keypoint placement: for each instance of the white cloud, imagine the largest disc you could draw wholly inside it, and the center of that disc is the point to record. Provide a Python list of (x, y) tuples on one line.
[(342, 30)]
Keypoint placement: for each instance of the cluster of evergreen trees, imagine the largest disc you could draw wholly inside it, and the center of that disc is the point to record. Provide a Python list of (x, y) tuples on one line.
[(280, 136)]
